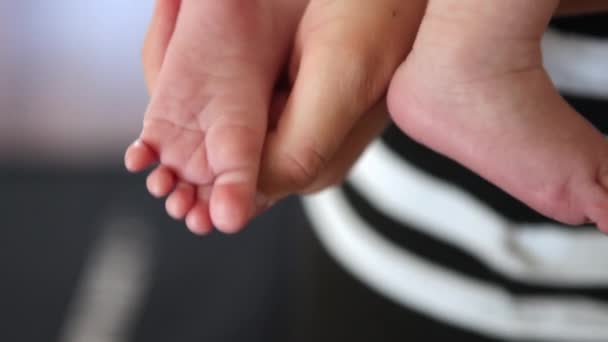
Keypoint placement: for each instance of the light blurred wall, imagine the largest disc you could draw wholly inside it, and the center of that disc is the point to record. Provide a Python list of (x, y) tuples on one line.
[(71, 86)]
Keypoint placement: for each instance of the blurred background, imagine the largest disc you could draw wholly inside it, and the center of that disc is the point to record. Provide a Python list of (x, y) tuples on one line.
[(85, 254)]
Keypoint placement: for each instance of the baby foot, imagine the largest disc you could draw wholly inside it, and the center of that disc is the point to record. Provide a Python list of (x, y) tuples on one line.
[(208, 114), (474, 89)]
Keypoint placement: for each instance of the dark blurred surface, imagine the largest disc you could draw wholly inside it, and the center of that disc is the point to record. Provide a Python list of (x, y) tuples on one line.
[(217, 288)]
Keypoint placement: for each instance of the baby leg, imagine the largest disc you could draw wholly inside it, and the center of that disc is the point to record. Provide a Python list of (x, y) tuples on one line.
[(474, 89)]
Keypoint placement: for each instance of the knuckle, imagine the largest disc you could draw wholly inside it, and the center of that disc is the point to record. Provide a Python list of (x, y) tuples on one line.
[(302, 169), (326, 182)]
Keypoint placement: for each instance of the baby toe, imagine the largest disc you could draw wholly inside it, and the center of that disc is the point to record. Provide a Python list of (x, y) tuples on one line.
[(236, 161), (597, 201), (232, 206), (139, 156), (160, 182), (198, 220), (181, 201)]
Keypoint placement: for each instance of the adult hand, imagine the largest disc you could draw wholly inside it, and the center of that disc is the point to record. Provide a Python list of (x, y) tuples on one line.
[(344, 56)]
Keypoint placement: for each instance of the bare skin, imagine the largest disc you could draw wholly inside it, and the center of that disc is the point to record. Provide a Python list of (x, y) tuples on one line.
[(474, 88), (307, 152), (303, 152), (340, 71), (208, 114)]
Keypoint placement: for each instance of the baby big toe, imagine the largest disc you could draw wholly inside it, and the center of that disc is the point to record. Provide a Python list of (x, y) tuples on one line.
[(232, 205), (235, 158)]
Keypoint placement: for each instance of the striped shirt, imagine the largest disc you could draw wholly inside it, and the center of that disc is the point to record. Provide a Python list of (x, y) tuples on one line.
[(432, 236)]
